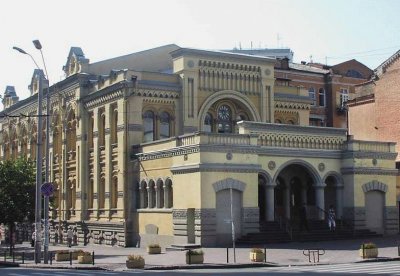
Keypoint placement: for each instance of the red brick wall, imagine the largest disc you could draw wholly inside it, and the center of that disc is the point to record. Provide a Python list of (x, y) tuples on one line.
[(387, 97)]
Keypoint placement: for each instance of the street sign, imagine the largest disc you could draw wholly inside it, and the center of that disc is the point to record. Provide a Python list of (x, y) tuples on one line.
[(47, 189)]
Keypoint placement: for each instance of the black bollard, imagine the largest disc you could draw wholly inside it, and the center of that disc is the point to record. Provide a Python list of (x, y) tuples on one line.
[(5, 255), (13, 256), (51, 257), (70, 258), (227, 255), (265, 255), (23, 257), (93, 258)]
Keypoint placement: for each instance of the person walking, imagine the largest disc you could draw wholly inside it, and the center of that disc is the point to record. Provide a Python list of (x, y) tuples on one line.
[(331, 218), (33, 239), (70, 235)]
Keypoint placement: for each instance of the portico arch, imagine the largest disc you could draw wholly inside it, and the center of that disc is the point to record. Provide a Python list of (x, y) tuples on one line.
[(333, 192), (297, 183)]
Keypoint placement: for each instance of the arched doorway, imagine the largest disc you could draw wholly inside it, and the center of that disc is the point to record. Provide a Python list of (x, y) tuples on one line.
[(296, 185)]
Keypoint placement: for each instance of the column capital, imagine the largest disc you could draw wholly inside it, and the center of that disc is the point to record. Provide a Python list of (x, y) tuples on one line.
[(320, 186)]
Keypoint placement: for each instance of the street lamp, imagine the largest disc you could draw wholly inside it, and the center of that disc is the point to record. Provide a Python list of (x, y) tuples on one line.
[(38, 203), (46, 178)]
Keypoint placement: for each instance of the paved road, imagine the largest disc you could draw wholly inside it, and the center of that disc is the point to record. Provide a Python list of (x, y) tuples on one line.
[(372, 268)]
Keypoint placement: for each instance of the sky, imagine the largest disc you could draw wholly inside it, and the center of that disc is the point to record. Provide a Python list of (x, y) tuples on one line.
[(323, 31)]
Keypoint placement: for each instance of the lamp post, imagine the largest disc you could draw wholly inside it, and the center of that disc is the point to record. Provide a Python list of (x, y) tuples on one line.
[(39, 162), (46, 179)]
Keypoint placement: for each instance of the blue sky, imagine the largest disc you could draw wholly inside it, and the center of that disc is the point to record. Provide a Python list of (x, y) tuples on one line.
[(329, 31)]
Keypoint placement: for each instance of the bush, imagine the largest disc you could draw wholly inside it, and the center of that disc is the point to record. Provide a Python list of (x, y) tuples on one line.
[(368, 245), (84, 253), (133, 257), (154, 245), (257, 250), (194, 252)]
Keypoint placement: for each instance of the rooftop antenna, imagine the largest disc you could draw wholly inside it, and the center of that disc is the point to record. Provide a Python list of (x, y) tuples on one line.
[(311, 61)]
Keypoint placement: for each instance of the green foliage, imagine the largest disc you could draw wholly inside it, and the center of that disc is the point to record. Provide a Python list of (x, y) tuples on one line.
[(194, 252), (17, 191), (368, 245), (133, 257)]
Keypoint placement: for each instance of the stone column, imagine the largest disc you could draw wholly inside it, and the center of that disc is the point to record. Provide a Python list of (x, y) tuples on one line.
[(270, 202), (320, 200), (339, 201)]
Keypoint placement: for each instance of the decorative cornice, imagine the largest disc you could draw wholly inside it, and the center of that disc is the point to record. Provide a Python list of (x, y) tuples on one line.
[(306, 153), (370, 155), (105, 95), (215, 167), (120, 128), (370, 171)]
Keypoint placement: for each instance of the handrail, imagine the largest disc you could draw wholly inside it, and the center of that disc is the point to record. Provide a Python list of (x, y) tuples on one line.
[(284, 224)]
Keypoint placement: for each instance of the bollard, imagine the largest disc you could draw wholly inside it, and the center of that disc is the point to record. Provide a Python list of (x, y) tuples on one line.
[(5, 255), (51, 257), (190, 256), (398, 249), (23, 257), (265, 254), (93, 258), (13, 256), (227, 255), (363, 251), (70, 258)]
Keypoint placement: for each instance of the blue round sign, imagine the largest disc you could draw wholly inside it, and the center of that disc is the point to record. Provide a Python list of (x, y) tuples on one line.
[(47, 189)]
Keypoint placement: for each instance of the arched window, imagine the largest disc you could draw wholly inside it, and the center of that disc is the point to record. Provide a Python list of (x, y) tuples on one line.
[(321, 97), (208, 123), (168, 194), (165, 125), (114, 126), (148, 124), (311, 93), (160, 194), (114, 193), (102, 129), (102, 193), (90, 194), (144, 197), (152, 194), (224, 119)]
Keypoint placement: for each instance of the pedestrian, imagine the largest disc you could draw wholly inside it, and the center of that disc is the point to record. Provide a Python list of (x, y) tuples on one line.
[(33, 239), (303, 218), (70, 235), (331, 218)]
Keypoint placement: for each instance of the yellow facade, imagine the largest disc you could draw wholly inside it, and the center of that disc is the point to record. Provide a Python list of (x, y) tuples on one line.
[(169, 144)]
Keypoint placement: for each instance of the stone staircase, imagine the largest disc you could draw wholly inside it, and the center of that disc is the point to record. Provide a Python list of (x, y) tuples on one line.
[(271, 232)]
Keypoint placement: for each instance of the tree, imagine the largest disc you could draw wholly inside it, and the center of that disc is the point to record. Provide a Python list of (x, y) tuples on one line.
[(17, 193)]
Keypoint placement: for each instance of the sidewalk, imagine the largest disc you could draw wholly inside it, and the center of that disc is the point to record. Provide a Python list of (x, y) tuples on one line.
[(113, 258)]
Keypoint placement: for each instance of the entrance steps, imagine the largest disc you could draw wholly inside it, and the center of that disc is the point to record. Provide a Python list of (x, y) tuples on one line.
[(271, 232)]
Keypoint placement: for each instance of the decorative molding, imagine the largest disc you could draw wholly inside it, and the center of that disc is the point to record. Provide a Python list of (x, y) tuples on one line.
[(78, 195), (271, 165), (106, 95), (205, 214), (120, 194), (120, 128), (229, 183), (369, 171), (179, 214), (321, 167), (374, 185), (216, 167), (229, 156), (370, 155)]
